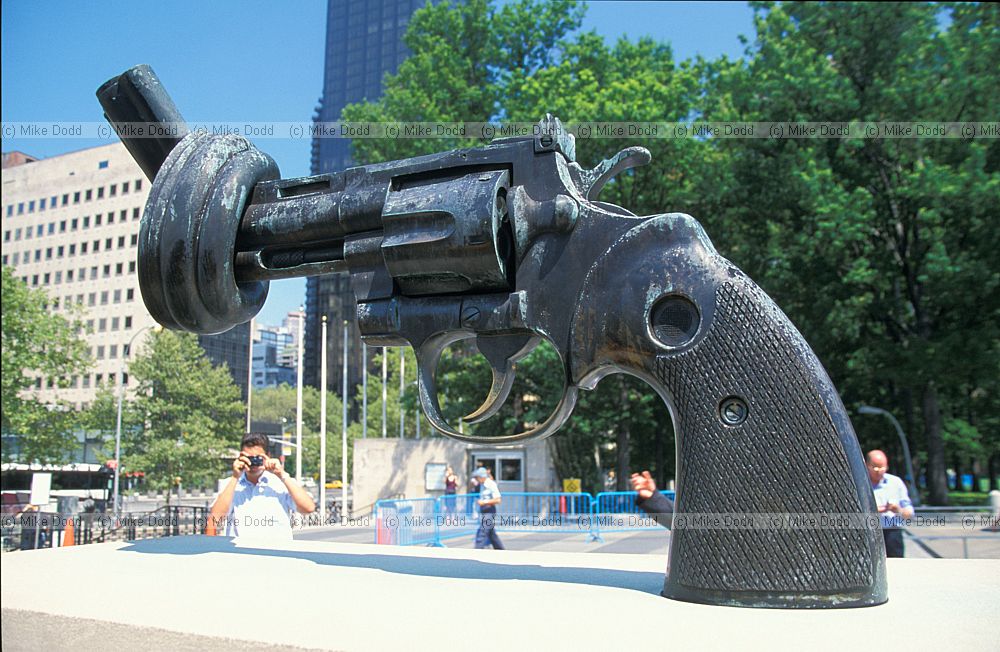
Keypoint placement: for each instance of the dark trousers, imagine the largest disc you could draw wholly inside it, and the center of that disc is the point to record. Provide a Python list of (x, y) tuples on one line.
[(893, 541), (486, 534)]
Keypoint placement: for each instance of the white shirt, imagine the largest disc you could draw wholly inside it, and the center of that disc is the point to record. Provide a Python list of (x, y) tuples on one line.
[(891, 489), (260, 511)]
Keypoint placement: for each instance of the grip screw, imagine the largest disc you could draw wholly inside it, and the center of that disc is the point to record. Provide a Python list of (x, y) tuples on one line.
[(733, 411), (470, 316)]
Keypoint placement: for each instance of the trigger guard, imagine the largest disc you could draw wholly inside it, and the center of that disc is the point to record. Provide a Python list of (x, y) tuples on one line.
[(431, 350)]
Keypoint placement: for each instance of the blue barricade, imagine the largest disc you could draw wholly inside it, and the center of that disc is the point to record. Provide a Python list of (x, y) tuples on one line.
[(431, 521), (617, 511)]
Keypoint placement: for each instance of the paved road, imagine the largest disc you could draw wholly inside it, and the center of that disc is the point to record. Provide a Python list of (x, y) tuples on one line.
[(982, 545)]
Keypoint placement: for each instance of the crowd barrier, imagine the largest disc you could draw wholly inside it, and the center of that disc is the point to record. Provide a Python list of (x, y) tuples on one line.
[(432, 521)]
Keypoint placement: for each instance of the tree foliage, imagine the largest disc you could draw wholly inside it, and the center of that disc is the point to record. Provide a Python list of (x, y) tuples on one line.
[(184, 417), (37, 344), (882, 250)]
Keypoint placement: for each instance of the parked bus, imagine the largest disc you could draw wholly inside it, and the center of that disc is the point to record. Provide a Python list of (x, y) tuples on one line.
[(69, 482)]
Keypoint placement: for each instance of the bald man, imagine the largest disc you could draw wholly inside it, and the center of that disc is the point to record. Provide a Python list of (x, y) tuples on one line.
[(893, 501)]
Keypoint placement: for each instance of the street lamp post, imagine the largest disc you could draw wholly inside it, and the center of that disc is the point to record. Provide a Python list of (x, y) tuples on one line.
[(867, 409), (121, 398)]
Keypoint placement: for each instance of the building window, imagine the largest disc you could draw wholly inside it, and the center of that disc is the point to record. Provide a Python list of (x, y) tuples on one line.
[(74, 224), (125, 187), (20, 208), (69, 276), (86, 381), (100, 192), (41, 204), (123, 215), (102, 324), (98, 379), (88, 195), (130, 293), (112, 190), (65, 199), (121, 242), (100, 352), (97, 246), (111, 218), (90, 325), (48, 253), (102, 165), (117, 297), (93, 272), (107, 243), (113, 351), (97, 220), (62, 226), (47, 278), (92, 299), (72, 249), (52, 228), (40, 230), (58, 278), (83, 248), (128, 322), (76, 197), (114, 323), (34, 279), (59, 251), (107, 271), (86, 221), (31, 206), (135, 240), (131, 267), (135, 213)]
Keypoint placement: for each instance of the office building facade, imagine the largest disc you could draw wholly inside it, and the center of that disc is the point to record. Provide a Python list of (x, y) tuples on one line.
[(71, 227)]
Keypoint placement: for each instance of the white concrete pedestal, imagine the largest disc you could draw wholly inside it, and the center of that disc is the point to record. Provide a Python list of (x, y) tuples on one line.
[(173, 593)]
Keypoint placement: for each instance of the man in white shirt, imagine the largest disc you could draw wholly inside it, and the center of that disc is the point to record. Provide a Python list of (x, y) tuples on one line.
[(893, 500), (489, 498), (257, 499)]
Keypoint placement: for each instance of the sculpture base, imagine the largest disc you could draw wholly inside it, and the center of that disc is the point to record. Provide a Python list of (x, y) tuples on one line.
[(191, 592)]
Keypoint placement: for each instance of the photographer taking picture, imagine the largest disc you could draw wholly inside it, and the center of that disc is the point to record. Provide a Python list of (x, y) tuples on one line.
[(259, 496)]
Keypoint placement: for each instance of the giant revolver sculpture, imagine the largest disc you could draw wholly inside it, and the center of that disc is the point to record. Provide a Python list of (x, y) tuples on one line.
[(508, 244)]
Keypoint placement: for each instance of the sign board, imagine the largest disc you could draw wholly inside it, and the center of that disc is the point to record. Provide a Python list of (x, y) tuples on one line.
[(434, 476), (41, 484), (571, 485)]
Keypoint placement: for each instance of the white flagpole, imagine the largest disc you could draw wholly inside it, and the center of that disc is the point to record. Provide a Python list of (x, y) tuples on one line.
[(298, 397), (402, 388), (385, 373), (250, 374), (364, 390), (343, 442), (322, 429)]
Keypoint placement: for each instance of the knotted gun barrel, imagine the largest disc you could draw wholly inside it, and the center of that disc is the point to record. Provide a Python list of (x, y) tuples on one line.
[(508, 244)]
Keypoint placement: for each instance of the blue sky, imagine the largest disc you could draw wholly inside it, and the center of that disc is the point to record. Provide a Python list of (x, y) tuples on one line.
[(235, 61)]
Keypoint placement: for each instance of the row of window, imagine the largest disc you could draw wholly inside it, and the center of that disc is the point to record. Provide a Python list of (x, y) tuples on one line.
[(74, 224), (114, 322), (71, 275), (79, 382), (61, 251), (106, 297), (85, 195)]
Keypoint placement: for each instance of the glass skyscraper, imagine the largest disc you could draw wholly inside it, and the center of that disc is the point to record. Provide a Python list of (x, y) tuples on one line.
[(364, 41)]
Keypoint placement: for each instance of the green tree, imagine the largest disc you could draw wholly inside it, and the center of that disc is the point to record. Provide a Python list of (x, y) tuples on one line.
[(38, 344), (882, 251), (185, 418)]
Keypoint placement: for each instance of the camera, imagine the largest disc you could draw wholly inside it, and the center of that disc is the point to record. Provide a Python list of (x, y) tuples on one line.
[(256, 460)]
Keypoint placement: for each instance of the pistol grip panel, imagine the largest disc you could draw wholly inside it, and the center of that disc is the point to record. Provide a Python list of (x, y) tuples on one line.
[(795, 453)]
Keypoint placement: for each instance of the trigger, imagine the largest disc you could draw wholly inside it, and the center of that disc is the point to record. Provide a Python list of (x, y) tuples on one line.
[(590, 182), (502, 351)]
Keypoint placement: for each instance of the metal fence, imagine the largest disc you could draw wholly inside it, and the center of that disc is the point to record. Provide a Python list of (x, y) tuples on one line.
[(51, 530)]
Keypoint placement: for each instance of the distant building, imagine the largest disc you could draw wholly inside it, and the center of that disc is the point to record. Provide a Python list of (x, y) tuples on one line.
[(275, 353), (71, 227), (364, 41)]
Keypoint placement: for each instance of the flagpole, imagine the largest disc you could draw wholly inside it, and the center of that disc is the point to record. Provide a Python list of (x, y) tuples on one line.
[(322, 429)]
